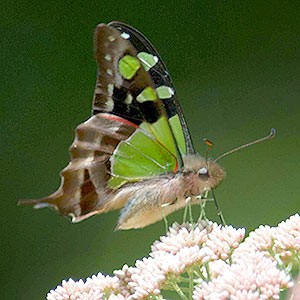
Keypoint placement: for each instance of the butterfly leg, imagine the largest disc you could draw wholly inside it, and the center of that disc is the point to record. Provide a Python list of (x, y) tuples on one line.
[(219, 212), (185, 213), (164, 215), (190, 210), (202, 200)]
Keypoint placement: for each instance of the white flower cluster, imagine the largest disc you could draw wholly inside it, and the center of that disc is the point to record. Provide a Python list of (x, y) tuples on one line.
[(202, 261)]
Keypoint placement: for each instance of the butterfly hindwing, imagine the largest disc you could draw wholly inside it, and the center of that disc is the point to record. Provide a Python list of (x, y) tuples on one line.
[(83, 191)]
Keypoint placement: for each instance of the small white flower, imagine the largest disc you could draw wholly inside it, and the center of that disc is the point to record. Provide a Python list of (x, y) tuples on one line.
[(223, 265)]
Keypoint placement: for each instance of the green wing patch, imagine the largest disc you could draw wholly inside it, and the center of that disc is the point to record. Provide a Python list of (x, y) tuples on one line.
[(128, 66), (140, 157)]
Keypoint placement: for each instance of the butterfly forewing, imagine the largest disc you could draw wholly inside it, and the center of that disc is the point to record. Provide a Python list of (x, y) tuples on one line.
[(125, 89), (162, 81)]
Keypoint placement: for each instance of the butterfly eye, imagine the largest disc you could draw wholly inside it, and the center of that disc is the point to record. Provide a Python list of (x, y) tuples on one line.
[(203, 173)]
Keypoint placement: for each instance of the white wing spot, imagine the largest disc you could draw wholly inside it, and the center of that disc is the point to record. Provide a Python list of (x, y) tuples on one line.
[(109, 105), (171, 91), (109, 72), (98, 90), (128, 99), (125, 35), (111, 38), (110, 89), (107, 57)]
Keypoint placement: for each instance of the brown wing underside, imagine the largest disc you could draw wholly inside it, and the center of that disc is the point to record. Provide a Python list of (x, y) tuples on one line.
[(83, 190)]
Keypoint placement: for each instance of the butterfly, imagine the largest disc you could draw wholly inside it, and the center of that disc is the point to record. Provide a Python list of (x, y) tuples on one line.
[(135, 153)]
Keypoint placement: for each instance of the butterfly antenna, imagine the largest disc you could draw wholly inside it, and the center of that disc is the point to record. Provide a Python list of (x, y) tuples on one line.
[(270, 136), (210, 145)]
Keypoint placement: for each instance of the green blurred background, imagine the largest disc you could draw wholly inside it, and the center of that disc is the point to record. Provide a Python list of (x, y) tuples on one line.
[(236, 67)]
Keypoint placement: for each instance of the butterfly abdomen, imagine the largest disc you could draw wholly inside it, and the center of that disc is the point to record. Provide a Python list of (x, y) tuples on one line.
[(147, 201)]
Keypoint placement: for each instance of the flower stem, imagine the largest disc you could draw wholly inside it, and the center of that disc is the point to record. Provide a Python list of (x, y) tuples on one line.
[(207, 271), (179, 291), (191, 283), (296, 256), (199, 274), (183, 279), (277, 259)]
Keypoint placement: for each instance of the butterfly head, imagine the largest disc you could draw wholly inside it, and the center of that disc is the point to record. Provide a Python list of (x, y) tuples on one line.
[(207, 174)]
